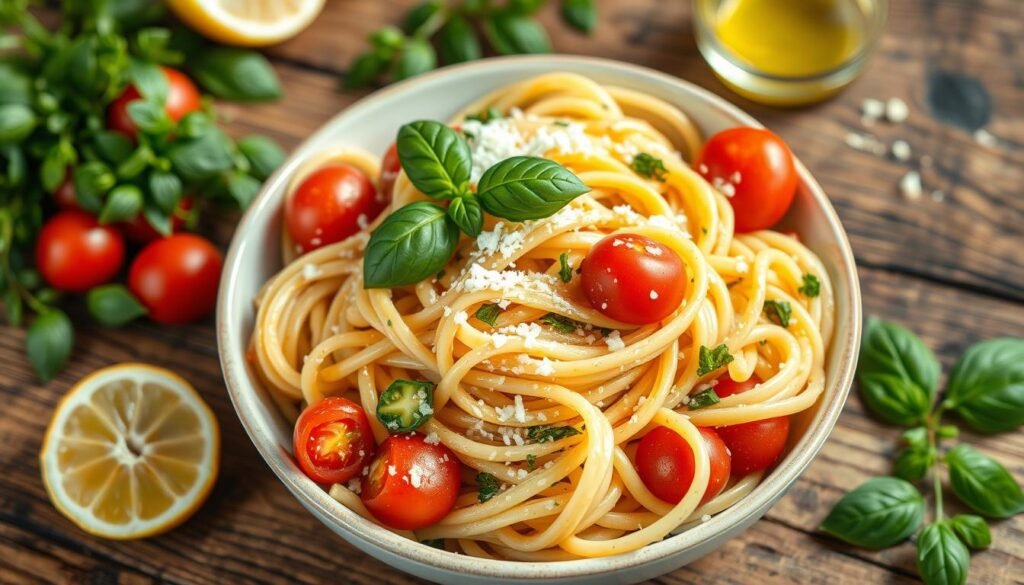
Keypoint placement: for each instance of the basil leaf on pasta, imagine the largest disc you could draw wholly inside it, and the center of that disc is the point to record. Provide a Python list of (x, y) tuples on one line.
[(466, 213), (411, 244), (435, 157), (526, 187)]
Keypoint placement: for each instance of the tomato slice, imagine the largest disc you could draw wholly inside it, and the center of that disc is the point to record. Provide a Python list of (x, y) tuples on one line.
[(412, 483), (333, 440), (665, 463), (757, 445)]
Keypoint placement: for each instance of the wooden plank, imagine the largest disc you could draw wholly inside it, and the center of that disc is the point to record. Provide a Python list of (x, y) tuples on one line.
[(252, 530), (973, 237)]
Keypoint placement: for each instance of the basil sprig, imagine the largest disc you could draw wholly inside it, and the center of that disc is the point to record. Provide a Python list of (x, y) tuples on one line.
[(899, 382), (417, 240)]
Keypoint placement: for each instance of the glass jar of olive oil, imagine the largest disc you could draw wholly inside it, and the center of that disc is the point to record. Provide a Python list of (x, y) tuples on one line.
[(788, 52)]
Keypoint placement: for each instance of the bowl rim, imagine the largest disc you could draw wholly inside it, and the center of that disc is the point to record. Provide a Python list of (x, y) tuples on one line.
[(340, 519)]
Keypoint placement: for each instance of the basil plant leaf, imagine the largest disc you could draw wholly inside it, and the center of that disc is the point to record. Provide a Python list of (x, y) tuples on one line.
[(240, 75), (457, 42), (986, 386), (525, 187), (16, 122), (511, 33), (149, 80), (983, 483), (913, 463), (123, 203), (972, 530), (580, 14), (409, 245), (466, 213), (113, 147), (898, 374), (201, 158), (417, 57), (165, 189), (48, 343), (92, 181), (113, 305), (263, 154), (435, 157), (941, 558), (881, 512), (364, 69)]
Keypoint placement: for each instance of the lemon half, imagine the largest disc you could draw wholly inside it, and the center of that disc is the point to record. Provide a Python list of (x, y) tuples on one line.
[(247, 23), (132, 451)]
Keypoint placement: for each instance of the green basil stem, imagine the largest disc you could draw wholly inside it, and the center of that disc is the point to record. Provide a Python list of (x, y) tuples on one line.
[(6, 243), (933, 422)]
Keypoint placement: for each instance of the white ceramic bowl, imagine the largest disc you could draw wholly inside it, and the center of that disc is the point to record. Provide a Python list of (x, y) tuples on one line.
[(372, 124)]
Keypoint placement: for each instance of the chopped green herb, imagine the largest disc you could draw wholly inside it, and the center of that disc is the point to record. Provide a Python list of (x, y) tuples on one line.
[(488, 313), (703, 399), (561, 123), (763, 342), (560, 323), (488, 115), (488, 485), (565, 270), (550, 434), (704, 230), (712, 359), (389, 322), (405, 405), (646, 165), (778, 311), (811, 286), (531, 462)]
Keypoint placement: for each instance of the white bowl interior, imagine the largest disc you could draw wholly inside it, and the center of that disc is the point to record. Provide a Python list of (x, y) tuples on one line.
[(372, 124)]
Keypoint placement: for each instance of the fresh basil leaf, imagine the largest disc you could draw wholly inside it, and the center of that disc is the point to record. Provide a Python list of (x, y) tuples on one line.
[(880, 513), (113, 305), (525, 7), (241, 75), (123, 203), (158, 219), (898, 374), (53, 170), (711, 359), (92, 181), (488, 313), (194, 125), (48, 343), (913, 463), (13, 305), (457, 42), (466, 213), (525, 187), (436, 159), (550, 433), (409, 245), (364, 69), (580, 14), (113, 147), (703, 399), (17, 121), (150, 117), (986, 386), (916, 437), (136, 163), (648, 166), (165, 189), (561, 323), (511, 34), (263, 154), (417, 57), (15, 84), (201, 158), (422, 14), (811, 287), (941, 558), (983, 483), (488, 486), (972, 530), (564, 268), (149, 80), (778, 312), (153, 44), (242, 188)]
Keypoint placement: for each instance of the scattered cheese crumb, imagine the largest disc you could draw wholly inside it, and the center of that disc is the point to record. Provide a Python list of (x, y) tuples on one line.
[(432, 438), (985, 138), (654, 295), (872, 109), (910, 185), (901, 150), (614, 341), (896, 110)]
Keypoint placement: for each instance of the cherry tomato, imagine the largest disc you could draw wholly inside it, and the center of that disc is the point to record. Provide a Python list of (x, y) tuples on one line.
[(755, 445), (75, 253), (665, 463), (633, 279), (726, 386), (759, 167), (330, 205), (65, 196), (176, 278), (140, 231), (333, 440), (390, 167), (182, 98), (411, 484)]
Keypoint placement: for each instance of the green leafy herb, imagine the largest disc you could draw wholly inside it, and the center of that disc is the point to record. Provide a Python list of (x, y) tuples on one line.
[(581, 14), (913, 463), (405, 405), (710, 360), (48, 343), (560, 323), (524, 187), (409, 245), (486, 116), (488, 313), (703, 399), (972, 530), (263, 154), (458, 42), (436, 159), (986, 386), (550, 433), (235, 74), (488, 486), (898, 374), (511, 33), (113, 305), (417, 56), (941, 558), (983, 483), (811, 287), (565, 269), (531, 462), (880, 513), (646, 165), (779, 312), (466, 213)]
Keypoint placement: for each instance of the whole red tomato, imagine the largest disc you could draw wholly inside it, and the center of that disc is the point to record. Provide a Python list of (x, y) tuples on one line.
[(182, 98), (176, 278), (75, 253), (331, 204)]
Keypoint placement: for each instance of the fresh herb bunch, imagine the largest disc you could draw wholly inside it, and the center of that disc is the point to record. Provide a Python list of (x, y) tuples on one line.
[(55, 88), (417, 240), (509, 27), (899, 379)]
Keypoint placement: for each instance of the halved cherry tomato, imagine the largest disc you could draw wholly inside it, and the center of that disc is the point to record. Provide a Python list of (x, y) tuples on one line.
[(665, 463), (333, 440), (758, 166), (726, 386), (65, 195), (182, 98), (75, 253), (330, 205), (390, 167), (176, 278), (755, 445), (411, 484), (140, 231), (633, 279)]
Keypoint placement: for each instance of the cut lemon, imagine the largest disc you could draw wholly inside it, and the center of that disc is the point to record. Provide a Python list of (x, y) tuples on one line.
[(132, 451), (247, 23)]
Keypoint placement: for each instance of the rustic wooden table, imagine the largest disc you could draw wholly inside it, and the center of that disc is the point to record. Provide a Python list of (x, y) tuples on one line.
[(952, 270)]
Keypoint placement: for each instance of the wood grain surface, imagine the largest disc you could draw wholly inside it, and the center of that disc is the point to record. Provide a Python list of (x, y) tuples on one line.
[(951, 270)]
